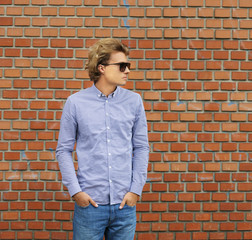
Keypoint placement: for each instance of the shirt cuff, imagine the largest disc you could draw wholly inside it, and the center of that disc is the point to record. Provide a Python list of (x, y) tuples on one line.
[(136, 189), (74, 189)]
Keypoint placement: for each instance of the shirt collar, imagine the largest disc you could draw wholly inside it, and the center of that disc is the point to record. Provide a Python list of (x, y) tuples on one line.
[(100, 94)]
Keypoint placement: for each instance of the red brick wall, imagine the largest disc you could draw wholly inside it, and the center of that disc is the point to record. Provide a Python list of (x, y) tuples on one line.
[(192, 66)]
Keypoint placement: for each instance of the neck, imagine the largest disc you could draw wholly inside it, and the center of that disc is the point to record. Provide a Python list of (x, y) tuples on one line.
[(106, 89)]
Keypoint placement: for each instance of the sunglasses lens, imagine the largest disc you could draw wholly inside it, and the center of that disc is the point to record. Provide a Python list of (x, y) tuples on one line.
[(123, 66)]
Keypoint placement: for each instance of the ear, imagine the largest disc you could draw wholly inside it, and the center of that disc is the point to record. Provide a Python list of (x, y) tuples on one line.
[(101, 68)]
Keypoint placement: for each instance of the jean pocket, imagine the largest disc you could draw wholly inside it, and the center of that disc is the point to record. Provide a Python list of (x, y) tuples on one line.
[(129, 206), (83, 207)]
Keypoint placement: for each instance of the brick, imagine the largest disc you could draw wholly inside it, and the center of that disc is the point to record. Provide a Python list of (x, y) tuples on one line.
[(49, 11), (244, 226), (244, 3), (153, 12), (19, 186), (57, 22), (10, 216), (58, 43), (42, 235), (65, 74), (62, 216), (7, 2), (143, 227), (215, 44), (49, 32), (47, 53), (230, 44), (196, 44), (147, 236), (168, 12), (195, 23), (178, 23), (188, 12), (72, 22), (35, 32), (10, 196), (179, 44), (224, 13), (175, 3), (229, 3), (205, 12), (174, 227), (66, 11), (247, 235), (15, 32), (6, 21)]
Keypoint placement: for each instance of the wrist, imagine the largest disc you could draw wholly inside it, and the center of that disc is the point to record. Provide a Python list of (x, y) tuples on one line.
[(75, 195)]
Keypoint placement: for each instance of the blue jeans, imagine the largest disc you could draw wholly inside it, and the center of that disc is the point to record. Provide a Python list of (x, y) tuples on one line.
[(92, 223)]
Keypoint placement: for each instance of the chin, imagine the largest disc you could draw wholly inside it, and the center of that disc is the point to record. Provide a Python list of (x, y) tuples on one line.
[(123, 82)]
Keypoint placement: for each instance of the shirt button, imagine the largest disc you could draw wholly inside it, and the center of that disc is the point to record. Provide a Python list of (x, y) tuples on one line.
[(109, 154), (110, 167), (106, 114), (108, 140), (110, 181), (108, 128), (106, 100)]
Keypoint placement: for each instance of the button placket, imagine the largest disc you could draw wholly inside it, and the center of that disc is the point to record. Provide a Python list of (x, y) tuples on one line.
[(108, 142)]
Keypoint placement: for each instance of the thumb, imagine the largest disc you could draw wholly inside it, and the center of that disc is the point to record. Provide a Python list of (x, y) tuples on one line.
[(93, 202), (122, 204)]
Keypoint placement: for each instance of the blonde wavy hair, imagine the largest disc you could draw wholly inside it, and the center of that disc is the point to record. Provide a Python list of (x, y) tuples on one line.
[(100, 53)]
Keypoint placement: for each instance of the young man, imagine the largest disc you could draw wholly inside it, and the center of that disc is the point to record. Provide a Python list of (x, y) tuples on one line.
[(109, 126)]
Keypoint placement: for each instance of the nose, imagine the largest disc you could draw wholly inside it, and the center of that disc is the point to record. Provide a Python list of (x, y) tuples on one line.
[(126, 70)]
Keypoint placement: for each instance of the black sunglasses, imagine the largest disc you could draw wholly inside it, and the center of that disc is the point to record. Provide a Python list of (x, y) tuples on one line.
[(122, 65)]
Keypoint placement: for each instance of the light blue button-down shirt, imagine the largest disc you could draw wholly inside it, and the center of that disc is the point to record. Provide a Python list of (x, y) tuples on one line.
[(111, 144)]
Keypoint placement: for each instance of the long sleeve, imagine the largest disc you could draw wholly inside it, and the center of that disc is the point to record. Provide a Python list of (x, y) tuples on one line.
[(65, 147), (140, 150)]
